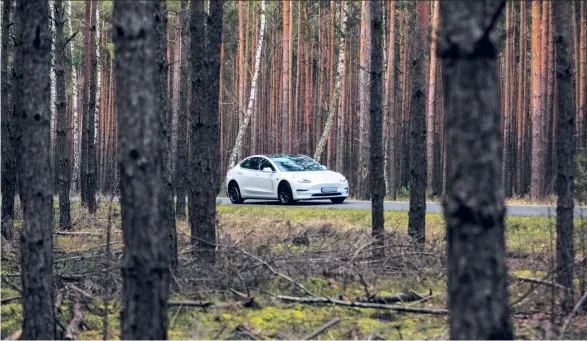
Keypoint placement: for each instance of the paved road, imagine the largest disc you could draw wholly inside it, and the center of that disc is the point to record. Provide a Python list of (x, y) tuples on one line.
[(512, 210), (399, 206)]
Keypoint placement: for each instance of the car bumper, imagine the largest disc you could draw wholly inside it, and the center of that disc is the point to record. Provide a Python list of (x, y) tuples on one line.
[(320, 191)]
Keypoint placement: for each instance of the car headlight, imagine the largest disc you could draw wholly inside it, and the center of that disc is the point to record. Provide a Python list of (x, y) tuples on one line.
[(304, 181)]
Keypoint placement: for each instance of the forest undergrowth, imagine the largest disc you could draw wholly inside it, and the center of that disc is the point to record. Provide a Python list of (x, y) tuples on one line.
[(295, 273)]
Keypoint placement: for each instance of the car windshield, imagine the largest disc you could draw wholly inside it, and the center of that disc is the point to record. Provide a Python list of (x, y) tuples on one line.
[(289, 163)]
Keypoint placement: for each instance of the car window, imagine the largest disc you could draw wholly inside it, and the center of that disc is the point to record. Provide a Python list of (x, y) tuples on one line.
[(254, 163), (288, 163), (265, 163), (246, 164)]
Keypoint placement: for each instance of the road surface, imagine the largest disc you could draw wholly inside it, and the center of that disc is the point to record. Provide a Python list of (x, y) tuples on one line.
[(511, 210), (398, 206)]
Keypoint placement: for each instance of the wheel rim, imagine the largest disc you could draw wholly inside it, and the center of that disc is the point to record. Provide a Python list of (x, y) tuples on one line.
[(283, 196), (234, 194)]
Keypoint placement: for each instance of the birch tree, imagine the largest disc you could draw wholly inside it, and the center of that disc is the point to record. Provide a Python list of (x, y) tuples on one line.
[(76, 125), (340, 70), (249, 112)]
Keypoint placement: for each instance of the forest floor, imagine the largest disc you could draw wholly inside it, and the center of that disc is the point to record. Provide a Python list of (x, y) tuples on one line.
[(318, 254)]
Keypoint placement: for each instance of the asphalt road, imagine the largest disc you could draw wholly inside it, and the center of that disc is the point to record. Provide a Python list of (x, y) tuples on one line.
[(511, 210), (399, 206)]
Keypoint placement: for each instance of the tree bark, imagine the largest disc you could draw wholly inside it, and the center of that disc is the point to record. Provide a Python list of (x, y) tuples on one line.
[(62, 153), (163, 112), (182, 152), (91, 109), (391, 136), (177, 76), (565, 151), (537, 176), (376, 127), (340, 71), (36, 245), (9, 148), (76, 124), (474, 203), (85, 98), (417, 214), (431, 102), (583, 78), (285, 137), (253, 94), (145, 270), (364, 107), (204, 139), (522, 86)]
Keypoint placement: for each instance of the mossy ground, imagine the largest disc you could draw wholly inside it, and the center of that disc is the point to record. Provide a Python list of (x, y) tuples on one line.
[(268, 232)]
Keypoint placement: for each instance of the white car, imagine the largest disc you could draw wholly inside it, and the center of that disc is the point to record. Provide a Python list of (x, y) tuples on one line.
[(287, 178)]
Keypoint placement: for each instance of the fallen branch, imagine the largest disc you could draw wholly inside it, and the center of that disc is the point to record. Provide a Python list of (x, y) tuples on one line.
[(72, 331), (394, 298), (10, 299), (322, 329), (248, 332), (82, 292), (540, 281), (203, 304), (572, 314), (78, 233), (324, 300)]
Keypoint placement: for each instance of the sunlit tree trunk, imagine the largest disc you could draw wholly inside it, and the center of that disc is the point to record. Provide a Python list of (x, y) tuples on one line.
[(431, 101), (364, 114), (537, 177), (522, 86)]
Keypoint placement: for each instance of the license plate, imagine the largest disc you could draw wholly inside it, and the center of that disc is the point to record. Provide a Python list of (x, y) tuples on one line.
[(329, 189)]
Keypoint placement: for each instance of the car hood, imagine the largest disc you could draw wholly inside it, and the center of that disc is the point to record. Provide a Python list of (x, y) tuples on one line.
[(316, 176)]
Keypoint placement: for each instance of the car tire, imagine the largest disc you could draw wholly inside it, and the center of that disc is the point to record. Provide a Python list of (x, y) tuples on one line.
[(284, 194), (234, 194), (337, 200)]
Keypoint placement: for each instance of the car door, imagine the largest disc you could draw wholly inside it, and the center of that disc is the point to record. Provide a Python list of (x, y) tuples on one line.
[(264, 181), (245, 176)]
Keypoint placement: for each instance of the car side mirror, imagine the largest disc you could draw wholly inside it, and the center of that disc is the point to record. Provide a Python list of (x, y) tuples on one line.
[(267, 170)]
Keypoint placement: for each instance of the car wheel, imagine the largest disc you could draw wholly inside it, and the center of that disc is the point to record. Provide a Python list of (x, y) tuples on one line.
[(234, 194), (284, 194), (337, 200)]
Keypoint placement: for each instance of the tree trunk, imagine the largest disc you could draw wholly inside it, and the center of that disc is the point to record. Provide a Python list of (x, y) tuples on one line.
[(182, 152), (177, 76), (86, 95), (253, 94), (565, 151), (9, 148), (391, 136), (474, 202), (62, 154), (168, 221), (417, 214), (332, 85), (36, 244), (76, 126), (522, 86), (91, 105), (583, 78), (204, 141), (340, 72), (364, 107), (285, 138), (241, 67), (537, 177), (376, 127), (431, 102), (145, 270)]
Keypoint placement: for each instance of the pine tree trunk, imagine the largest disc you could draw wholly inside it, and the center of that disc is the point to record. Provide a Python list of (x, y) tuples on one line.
[(62, 154), (363, 189), (582, 134), (204, 140), (474, 209), (565, 151), (33, 39), (332, 107), (391, 154), (537, 176), (145, 270), (285, 141), (9, 148), (522, 86), (177, 76), (431, 101), (376, 126), (182, 152), (417, 214), (91, 105), (85, 100)]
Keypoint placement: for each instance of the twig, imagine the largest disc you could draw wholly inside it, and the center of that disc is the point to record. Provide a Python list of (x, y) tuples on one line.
[(10, 299), (572, 314), (203, 304), (540, 281), (78, 233), (394, 298), (72, 330), (286, 277), (83, 292), (324, 300), (322, 329)]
